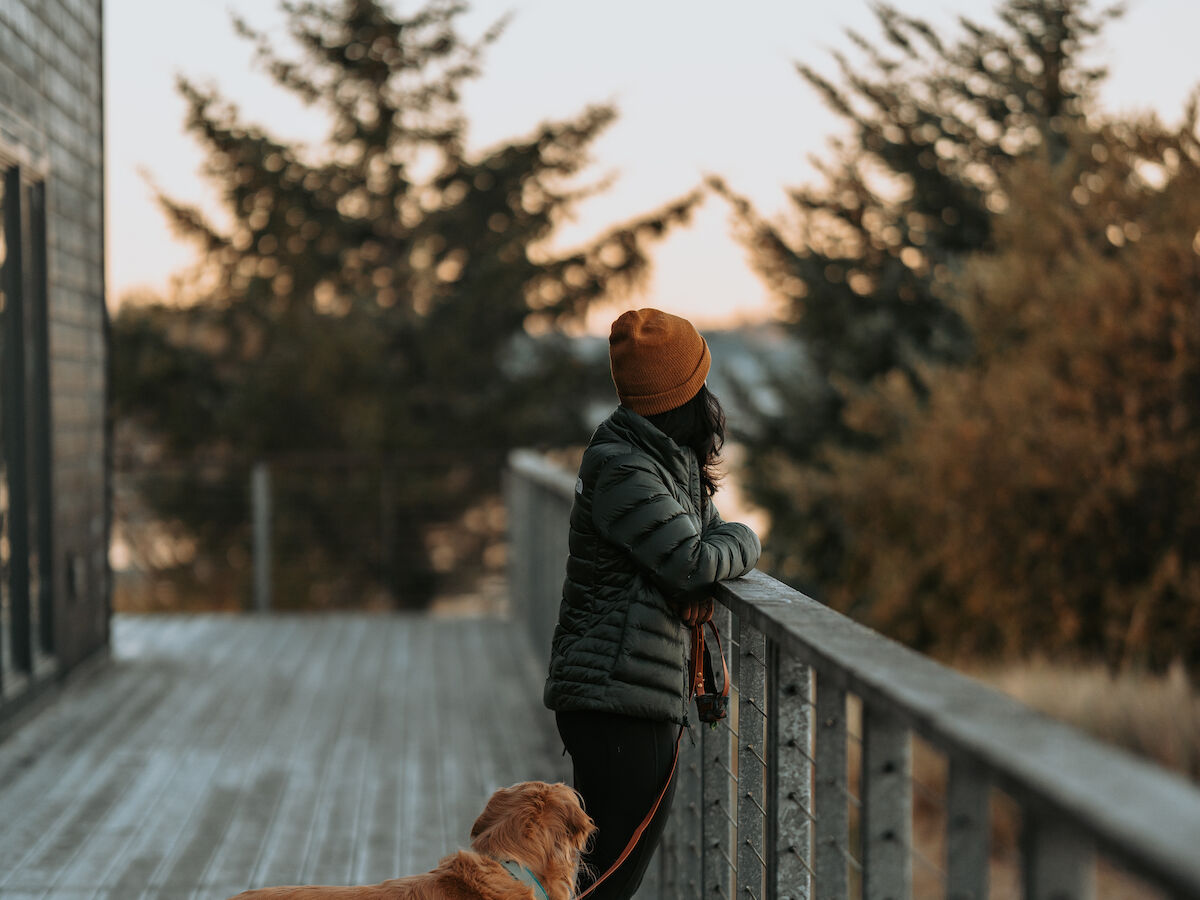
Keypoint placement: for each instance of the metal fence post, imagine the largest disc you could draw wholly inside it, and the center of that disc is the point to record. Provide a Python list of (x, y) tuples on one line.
[(688, 820), (886, 807), (260, 503), (676, 859), (751, 815), (1058, 861), (832, 812), (968, 832), (718, 780), (790, 850), (387, 532), (520, 554)]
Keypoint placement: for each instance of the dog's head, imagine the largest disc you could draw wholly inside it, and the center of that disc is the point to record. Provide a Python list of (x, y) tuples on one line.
[(542, 826)]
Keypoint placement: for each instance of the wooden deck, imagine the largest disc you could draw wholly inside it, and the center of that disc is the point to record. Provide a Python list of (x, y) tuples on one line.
[(217, 753)]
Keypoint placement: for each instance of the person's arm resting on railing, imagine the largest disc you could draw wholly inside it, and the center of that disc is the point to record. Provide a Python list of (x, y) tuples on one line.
[(633, 509)]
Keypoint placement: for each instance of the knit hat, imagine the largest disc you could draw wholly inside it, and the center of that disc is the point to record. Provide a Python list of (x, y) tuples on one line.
[(659, 361)]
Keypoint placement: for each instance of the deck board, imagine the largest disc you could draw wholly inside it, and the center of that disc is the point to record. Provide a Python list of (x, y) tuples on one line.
[(217, 753)]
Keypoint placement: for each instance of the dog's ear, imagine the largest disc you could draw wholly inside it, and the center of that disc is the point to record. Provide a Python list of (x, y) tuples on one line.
[(534, 819), (498, 806), (575, 822), (508, 818), (581, 823)]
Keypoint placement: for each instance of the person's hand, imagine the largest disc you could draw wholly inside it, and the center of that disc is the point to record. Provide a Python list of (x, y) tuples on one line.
[(696, 612)]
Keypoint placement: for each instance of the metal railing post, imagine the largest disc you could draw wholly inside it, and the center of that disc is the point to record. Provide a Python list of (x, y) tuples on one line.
[(1058, 861), (751, 805), (790, 852), (968, 832), (688, 820), (387, 531), (832, 812), (717, 786), (260, 503), (516, 521), (886, 807)]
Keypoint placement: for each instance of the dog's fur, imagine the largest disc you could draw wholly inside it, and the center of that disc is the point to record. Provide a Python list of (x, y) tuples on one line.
[(541, 826)]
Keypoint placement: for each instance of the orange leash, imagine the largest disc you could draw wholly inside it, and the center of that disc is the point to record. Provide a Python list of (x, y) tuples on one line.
[(695, 685)]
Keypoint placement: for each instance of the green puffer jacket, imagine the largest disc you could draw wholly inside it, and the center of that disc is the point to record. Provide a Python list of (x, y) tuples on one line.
[(638, 544)]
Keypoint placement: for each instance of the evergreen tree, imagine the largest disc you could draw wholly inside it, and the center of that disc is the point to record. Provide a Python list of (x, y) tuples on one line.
[(372, 293), (1043, 498), (867, 263)]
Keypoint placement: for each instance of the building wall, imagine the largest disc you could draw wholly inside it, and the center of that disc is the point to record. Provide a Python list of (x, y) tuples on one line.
[(51, 121)]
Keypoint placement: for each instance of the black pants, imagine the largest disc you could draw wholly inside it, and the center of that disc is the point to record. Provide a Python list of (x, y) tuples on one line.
[(620, 765)]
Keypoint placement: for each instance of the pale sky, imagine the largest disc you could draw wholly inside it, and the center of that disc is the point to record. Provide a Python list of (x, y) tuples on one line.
[(700, 87)]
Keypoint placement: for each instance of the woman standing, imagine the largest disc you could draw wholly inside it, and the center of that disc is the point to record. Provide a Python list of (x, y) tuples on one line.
[(646, 545)]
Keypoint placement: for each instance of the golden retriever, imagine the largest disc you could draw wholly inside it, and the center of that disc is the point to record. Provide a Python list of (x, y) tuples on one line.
[(540, 826)]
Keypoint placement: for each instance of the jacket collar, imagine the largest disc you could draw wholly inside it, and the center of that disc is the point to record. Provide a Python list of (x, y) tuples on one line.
[(637, 430)]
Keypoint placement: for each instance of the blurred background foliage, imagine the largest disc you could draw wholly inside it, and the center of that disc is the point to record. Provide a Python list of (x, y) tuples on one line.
[(371, 304), (997, 285), (984, 439)]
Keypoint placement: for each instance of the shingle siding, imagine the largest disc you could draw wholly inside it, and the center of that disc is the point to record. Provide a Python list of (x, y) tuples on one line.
[(51, 118)]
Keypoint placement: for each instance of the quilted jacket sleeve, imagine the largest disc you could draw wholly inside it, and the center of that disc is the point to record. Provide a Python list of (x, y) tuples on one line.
[(632, 508)]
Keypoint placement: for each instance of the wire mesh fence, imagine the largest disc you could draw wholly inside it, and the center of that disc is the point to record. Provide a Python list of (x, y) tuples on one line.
[(319, 532)]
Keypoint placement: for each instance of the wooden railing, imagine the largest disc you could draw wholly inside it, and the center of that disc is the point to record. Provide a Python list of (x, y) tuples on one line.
[(853, 767)]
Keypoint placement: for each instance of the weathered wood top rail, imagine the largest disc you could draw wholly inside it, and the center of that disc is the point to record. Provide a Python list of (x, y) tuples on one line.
[(772, 822)]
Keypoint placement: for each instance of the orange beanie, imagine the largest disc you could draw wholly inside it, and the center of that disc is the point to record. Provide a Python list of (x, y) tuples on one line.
[(659, 361)]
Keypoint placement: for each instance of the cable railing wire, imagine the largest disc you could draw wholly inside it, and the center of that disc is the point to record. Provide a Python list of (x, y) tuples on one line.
[(725, 856), (750, 749), (791, 795), (724, 768), (795, 746), (729, 818), (925, 861), (754, 800), (757, 855), (791, 848), (937, 798), (754, 703)]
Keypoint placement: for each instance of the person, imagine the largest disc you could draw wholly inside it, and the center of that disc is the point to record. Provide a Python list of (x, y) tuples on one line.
[(646, 547)]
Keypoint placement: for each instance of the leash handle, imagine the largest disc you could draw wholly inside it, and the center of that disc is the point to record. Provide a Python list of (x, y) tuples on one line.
[(720, 653)]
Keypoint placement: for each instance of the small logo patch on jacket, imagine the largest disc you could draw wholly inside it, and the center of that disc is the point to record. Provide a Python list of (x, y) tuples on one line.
[(579, 485)]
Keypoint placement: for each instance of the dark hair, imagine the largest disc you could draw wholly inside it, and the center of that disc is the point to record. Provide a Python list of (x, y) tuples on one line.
[(699, 424)]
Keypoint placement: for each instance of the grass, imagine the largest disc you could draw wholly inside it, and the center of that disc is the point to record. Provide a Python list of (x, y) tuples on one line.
[(1153, 716), (1156, 717)]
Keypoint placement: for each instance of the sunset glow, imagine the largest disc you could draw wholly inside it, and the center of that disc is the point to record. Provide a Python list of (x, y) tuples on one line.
[(697, 95)]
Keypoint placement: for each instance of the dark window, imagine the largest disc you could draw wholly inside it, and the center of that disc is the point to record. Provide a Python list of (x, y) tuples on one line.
[(37, 414), (26, 628), (6, 601)]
